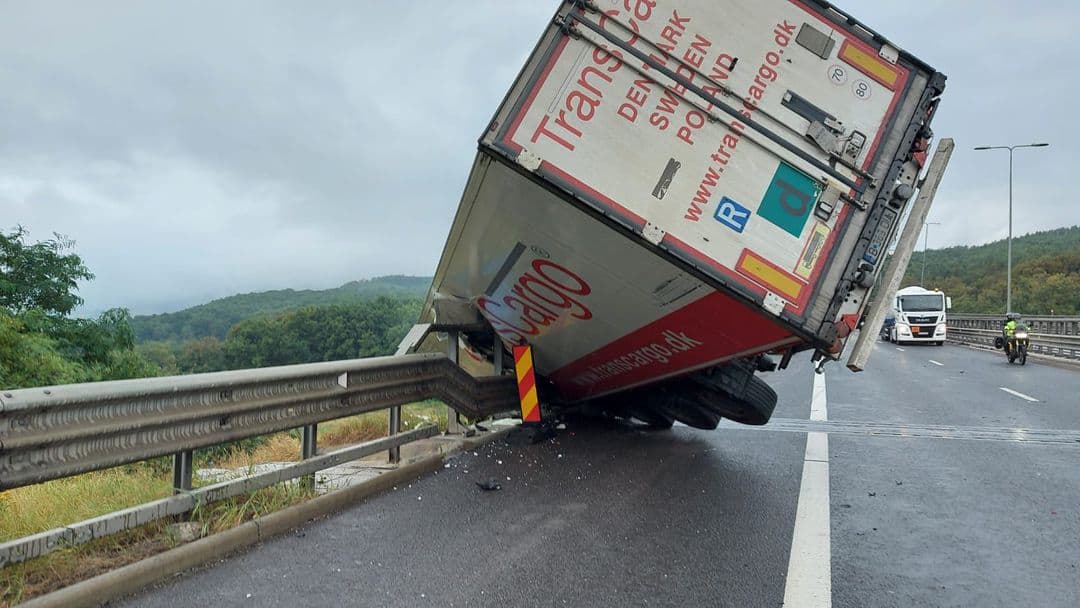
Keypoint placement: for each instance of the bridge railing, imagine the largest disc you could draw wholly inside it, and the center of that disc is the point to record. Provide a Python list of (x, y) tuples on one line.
[(58, 431), (1050, 336)]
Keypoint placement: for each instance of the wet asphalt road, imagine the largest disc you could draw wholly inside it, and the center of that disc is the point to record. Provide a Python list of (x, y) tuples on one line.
[(607, 515)]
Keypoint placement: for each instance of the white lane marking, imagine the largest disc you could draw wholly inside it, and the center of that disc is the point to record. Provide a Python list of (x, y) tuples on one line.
[(899, 349), (1020, 395), (936, 363), (818, 402), (809, 574)]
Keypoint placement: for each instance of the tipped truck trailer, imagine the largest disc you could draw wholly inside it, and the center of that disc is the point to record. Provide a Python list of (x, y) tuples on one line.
[(672, 189)]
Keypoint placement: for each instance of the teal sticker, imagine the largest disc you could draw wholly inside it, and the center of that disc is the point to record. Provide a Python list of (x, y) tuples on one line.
[(790, 199)]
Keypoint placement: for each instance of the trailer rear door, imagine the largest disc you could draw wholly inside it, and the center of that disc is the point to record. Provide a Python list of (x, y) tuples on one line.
[(723, 133)]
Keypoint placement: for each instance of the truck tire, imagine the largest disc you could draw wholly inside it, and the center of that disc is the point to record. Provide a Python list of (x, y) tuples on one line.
[(679, 401), (692, 412), (753, 406)]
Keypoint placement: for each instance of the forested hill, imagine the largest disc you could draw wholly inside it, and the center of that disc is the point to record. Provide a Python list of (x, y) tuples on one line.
[(215, 318), (1046, 274)]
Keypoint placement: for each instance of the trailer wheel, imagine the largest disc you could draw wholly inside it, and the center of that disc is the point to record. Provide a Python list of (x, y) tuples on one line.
[(693, 413), (754, 405), (677, 401)]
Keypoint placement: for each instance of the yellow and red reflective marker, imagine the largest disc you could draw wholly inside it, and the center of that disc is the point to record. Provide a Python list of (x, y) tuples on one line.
[(526, 379)]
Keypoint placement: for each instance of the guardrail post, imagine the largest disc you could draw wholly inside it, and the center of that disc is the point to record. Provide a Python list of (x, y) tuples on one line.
[(452, 424), (309, 441), (182, 471), (309, 446), (395, 428)]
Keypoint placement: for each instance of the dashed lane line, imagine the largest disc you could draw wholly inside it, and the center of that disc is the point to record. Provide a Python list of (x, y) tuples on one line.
[(899, 349), (809, 575), (937, 363), (1019, 394)]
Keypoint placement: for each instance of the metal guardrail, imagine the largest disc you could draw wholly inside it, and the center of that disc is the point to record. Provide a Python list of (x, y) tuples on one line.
[(1050, 336), (58, 431)]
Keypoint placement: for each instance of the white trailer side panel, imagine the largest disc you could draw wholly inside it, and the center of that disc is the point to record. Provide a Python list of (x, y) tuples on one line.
[(601, 318)]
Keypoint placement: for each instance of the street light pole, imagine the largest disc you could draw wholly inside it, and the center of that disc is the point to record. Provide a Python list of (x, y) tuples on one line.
[(1008, 264), (926, 240)]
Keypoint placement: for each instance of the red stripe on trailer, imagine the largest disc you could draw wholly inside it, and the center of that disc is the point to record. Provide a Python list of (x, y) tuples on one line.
[(714, 329)]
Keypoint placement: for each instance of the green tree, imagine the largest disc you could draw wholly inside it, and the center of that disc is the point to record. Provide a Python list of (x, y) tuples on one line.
[(1046, 274), (161, 354), (32, 358), (321, 333), (202, 355), (39, 343), (216, 318), (42, 275)]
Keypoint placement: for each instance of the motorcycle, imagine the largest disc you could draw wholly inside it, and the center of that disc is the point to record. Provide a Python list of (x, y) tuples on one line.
[(1016, 347)]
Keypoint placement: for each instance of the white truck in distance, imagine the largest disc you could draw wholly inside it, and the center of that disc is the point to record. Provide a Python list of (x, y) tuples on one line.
[(919, 315), (673, 189)]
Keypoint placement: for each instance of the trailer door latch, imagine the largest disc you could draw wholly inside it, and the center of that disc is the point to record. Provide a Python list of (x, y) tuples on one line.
[(828, 200)]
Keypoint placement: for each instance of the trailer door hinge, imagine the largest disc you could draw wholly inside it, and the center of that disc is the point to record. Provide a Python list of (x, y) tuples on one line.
[(889, 53), (653, 233), (773, 303), (528, 160)]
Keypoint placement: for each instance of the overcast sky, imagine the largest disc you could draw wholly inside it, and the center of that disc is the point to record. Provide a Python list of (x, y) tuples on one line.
[(199, 149)]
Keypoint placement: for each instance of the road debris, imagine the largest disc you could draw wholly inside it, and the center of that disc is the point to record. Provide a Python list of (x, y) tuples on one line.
[(490, 485)]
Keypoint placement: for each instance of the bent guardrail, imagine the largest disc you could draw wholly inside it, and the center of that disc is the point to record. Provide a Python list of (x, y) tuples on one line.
[(1050, 336), (58, 431)]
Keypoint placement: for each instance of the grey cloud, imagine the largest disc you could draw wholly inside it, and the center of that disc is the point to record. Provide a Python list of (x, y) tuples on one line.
[(199, 149)]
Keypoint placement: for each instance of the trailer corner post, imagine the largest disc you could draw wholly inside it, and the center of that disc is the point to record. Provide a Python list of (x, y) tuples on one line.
[(452, 425), (497, 357)]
